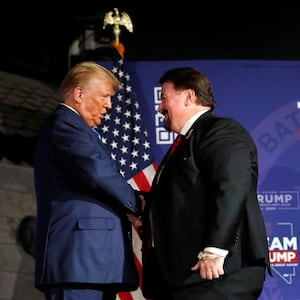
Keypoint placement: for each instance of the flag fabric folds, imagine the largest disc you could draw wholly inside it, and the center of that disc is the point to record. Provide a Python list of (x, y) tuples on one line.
[(125, 135)]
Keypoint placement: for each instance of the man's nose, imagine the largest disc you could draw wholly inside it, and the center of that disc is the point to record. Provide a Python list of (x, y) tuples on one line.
[(159, 109)]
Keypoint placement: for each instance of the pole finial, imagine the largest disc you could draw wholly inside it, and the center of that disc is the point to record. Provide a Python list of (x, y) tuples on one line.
[(116, 20)]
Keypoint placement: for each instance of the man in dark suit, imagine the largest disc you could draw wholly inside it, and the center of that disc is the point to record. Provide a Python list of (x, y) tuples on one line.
[(208, 234), (83, 236)]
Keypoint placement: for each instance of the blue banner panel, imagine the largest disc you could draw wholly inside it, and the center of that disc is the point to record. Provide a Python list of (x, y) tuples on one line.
[(264, 96)]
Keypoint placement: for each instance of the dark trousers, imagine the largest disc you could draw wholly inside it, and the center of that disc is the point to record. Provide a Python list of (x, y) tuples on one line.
[(71, 293), (245, 284)]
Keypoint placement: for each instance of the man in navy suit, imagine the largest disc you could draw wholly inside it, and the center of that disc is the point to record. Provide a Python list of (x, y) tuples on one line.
[(208, 235), (83, 238)]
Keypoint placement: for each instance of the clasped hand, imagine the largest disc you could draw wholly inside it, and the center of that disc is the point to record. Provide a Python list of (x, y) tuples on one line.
[(136, 221)]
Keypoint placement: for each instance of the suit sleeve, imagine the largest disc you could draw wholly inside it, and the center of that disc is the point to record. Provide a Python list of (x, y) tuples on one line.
[(228, 157), (85, 158)]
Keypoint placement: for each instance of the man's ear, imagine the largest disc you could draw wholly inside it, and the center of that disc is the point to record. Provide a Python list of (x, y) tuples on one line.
[(77, 93), (190, 97)]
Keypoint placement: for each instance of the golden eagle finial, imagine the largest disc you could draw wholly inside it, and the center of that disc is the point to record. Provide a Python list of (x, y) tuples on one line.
[(117, 21)]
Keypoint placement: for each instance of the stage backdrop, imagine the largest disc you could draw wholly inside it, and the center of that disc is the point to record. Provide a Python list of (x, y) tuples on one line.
[(264, 96)]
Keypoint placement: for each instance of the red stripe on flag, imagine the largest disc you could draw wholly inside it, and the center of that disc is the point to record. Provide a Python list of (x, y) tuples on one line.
[(129, 295), (139, 268), (142, 181), (125, 296)]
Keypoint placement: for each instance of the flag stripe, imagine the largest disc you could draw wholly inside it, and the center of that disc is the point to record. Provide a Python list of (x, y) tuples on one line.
[(137, 246), (142, 181), (125, 296), (139, 268)]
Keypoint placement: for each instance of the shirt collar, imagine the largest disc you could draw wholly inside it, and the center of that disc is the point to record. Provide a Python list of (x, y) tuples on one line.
[(69, 107), (191, 121)]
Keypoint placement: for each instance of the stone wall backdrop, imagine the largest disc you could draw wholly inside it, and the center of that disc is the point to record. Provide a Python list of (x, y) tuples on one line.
[(24, 105), (17, 204)]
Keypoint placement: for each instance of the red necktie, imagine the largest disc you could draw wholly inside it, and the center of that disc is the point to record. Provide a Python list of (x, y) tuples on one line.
[(175, 144), (147, 235)]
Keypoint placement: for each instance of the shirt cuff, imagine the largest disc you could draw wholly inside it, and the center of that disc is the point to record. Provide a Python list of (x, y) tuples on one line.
[(214, 250), (218, 251)]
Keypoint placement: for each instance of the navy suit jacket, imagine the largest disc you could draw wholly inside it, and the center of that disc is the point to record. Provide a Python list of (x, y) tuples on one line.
[(83, 236), (205, 195)]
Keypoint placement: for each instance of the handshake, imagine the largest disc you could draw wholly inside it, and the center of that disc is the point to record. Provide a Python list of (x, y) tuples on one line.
[(136, 220)]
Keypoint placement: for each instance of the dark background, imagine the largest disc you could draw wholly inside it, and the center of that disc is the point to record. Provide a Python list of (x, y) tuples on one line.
[(35, 37)]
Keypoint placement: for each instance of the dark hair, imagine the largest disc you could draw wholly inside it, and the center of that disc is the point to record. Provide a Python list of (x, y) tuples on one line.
[(189, 78)]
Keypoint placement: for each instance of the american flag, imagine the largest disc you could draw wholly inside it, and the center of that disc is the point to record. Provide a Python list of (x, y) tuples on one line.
[(124, 133)]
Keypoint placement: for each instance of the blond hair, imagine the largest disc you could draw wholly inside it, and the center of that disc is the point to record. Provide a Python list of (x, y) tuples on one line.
[(81, 73)]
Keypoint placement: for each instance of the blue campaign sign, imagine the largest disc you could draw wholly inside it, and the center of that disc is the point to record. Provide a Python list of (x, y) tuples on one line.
[(264, 96)]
